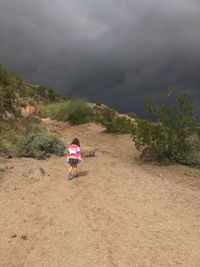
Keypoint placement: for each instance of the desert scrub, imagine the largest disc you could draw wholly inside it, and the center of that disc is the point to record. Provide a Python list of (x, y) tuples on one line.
[(40, 146), (113, 123), (174, 135), (28, 137), (74, 111), (12, 132), (8, 140)]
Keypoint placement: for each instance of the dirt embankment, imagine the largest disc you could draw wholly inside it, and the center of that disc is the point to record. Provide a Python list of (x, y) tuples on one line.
[(119, 212)]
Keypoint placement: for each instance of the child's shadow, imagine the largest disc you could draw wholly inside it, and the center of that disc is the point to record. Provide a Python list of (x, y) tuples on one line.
[(83, 173)]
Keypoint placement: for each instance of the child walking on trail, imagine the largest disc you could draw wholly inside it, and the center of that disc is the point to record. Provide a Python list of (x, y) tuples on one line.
[(73, 158)]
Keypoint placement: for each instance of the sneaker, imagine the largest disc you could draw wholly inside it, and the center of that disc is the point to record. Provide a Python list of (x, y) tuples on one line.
[(70, 177)]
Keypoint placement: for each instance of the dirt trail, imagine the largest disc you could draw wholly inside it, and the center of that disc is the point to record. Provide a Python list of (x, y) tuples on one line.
[(117, 213)]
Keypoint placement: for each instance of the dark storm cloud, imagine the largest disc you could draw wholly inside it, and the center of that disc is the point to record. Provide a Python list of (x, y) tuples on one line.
[(115, 52)]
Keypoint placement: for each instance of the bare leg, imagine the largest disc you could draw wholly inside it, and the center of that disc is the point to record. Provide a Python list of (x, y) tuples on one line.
[(70, 168), (75, 171), (70, 172)]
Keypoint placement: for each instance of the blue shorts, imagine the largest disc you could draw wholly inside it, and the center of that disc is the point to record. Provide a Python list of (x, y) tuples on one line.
[(73, 161)]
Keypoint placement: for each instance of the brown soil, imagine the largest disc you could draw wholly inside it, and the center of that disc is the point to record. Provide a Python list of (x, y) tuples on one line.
[(119, 212)]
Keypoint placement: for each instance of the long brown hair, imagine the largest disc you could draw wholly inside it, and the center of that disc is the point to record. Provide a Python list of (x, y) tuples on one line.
[(75, 141)]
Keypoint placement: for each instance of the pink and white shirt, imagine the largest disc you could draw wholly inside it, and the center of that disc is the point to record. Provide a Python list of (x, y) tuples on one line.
[(73, 152)]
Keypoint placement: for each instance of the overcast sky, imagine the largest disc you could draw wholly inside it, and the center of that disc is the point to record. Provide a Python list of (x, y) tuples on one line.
[(110, 51)]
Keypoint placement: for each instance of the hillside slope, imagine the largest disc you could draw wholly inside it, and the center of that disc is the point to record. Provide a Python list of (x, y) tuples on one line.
[(118, 213), (16, 94)]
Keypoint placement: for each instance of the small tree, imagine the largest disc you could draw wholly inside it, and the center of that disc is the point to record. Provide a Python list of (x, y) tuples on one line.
[(171, 136)]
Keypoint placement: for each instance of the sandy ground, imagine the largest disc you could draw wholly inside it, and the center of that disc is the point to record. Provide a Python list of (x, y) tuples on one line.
[(119, 212)]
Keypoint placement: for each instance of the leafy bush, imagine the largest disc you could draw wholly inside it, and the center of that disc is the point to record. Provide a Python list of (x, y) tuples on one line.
[(7, 98), (174, 136), (75, 111), (39, 143), (8, 140), (12, 132), (41, 146), (113, 123)]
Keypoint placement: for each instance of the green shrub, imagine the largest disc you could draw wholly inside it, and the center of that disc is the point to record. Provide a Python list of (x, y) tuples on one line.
[(79, 112), (41, 146), (113, 123), (75, 111), (105, 118), (8, 140), (7, 98), (38, 144), (14, 132), (174, 135)]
